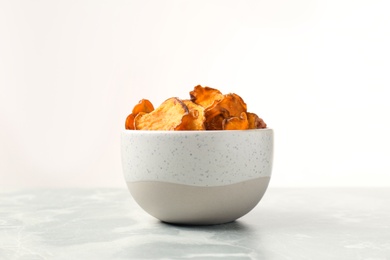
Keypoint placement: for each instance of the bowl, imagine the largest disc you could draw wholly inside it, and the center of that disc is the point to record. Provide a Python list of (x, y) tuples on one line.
[(197, 177)]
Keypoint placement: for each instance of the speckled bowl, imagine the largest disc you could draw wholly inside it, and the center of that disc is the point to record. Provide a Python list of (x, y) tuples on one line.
[(197, 177)]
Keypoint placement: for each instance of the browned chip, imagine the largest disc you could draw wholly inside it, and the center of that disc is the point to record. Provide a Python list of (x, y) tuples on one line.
[(205, 96), (143, 105), (130, 122), (193, 106), (255, 122), (236, 123), (208, 109), (231, 105), (190, 122), (166, 117), (195, 118), (215, 122)]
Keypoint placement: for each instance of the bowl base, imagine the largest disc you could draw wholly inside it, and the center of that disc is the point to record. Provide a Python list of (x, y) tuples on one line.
[(196, 205)]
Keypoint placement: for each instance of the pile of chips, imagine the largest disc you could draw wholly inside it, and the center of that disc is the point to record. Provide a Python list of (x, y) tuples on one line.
[(207, 109)]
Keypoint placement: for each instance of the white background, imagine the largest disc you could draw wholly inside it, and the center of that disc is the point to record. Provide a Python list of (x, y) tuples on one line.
[(317, 71)]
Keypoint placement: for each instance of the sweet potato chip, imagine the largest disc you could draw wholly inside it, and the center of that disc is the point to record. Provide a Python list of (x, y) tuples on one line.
[(236, 123), (130, 122), (231, 105), (193, 106), (255, 122), (191, 121), (195, 118), (166, 117), (205, 96), (234, 104), (143, 105), (208, 109), (214, 121)]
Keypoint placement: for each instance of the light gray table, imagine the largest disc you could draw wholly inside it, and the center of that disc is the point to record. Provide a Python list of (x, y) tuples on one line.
[(303, 223)]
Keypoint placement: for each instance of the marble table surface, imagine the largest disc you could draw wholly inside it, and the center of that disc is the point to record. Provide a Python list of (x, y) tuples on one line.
[(289, 223)]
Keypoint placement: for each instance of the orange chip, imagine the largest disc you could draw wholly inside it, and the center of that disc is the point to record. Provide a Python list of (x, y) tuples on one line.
[(231, 105), (208, 109), (205, 96), (255, 122), (236, 123), (166, 117), (190, 122), (214, 122), (144, 106), (130, 122), (195, 118)]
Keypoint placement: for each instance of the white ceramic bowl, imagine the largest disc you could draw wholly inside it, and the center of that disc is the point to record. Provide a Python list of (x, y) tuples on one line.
[(197, 177)]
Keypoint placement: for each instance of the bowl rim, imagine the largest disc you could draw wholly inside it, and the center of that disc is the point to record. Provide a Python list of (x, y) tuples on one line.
[(195, 132)]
